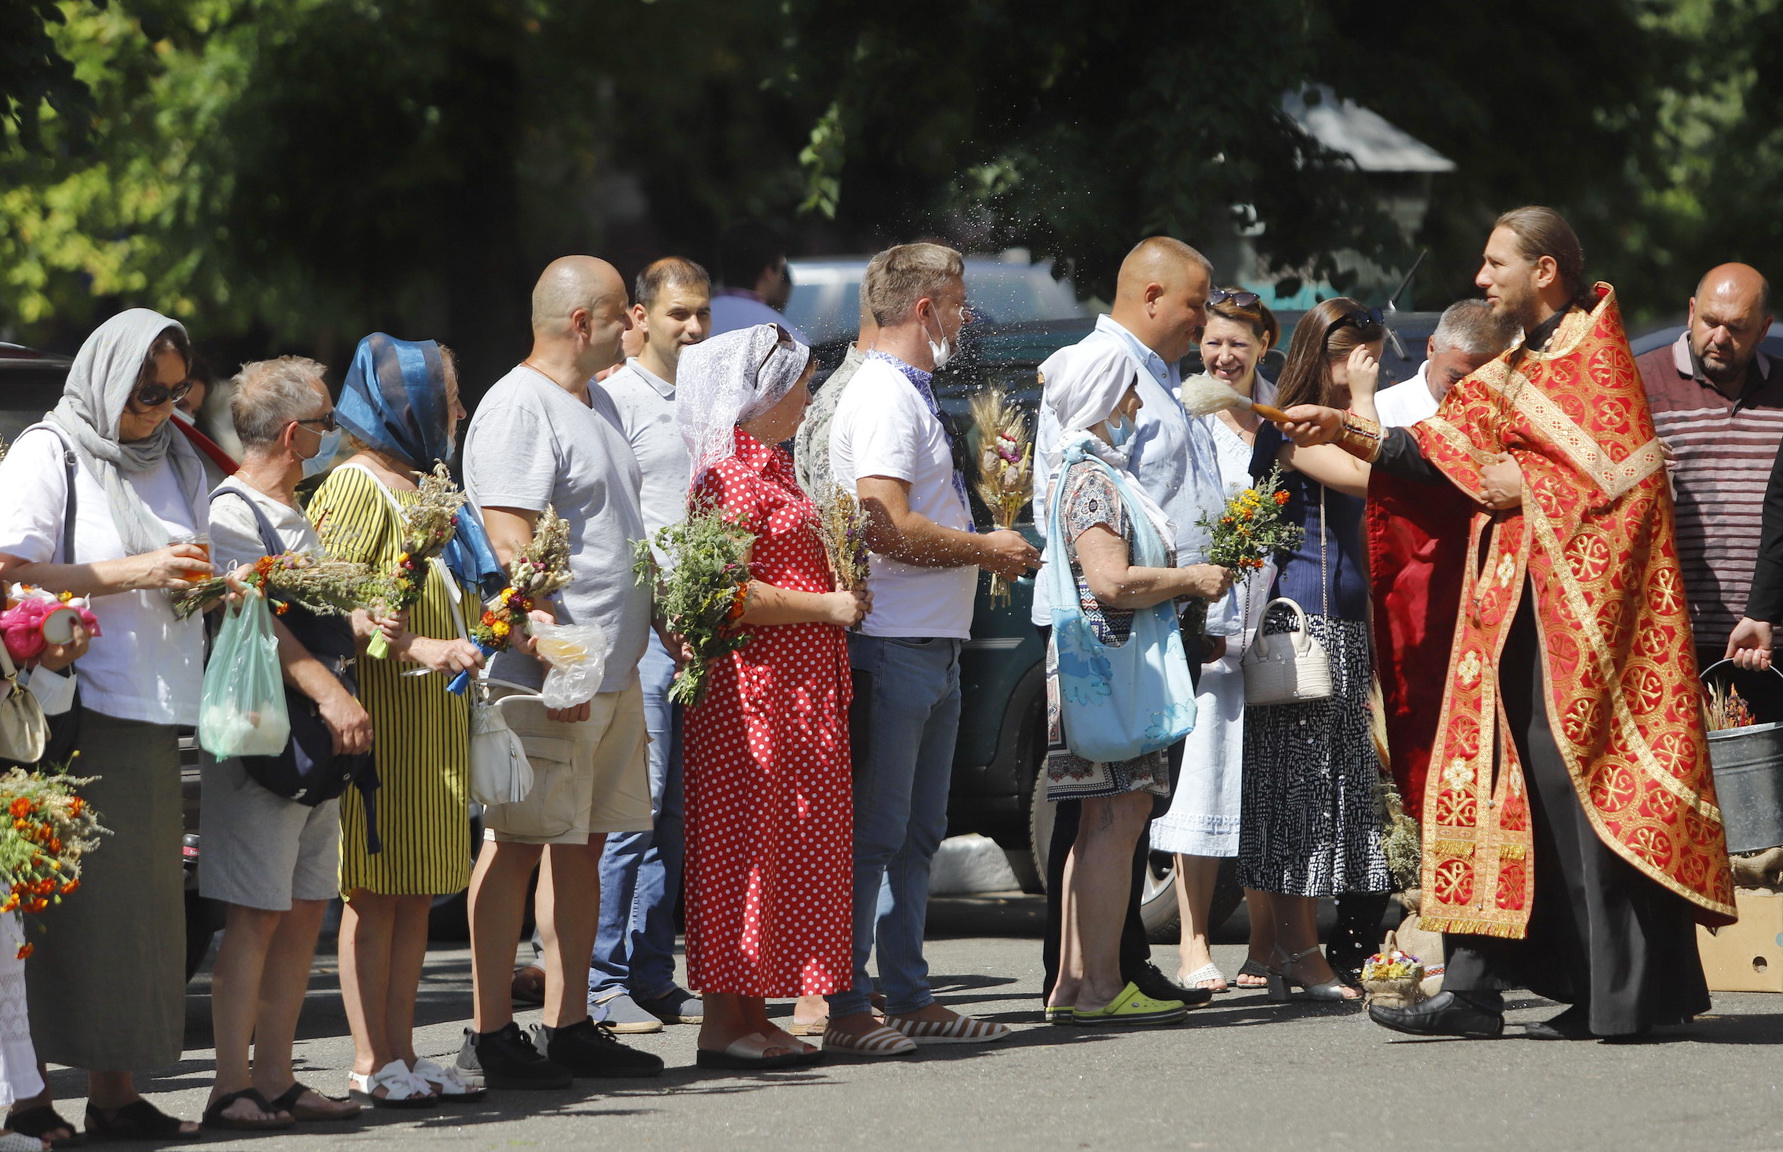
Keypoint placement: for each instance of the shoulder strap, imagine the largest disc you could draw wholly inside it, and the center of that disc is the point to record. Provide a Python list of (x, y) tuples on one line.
[(269, 536), (71, 464)]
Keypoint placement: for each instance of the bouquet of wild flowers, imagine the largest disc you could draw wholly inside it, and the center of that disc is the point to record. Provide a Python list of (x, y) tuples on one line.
[(1249, 531), (704, 594), (327, 587), (428, 524), (1005, 466), (842, 524), (542, 567), (41, 846), (1724, 708)]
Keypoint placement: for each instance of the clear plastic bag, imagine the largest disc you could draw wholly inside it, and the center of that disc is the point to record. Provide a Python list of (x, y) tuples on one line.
[(243, 711), (578, 656)]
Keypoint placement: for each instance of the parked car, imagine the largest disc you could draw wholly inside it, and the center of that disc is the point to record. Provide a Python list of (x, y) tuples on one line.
[(1002, 738), (1006, 289)]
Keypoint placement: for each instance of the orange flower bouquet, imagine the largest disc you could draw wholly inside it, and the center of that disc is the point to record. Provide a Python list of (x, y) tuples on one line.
[(48, 830), (1249, 531)]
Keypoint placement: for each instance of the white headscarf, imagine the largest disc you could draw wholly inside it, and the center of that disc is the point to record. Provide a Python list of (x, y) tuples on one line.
[(729, 380), (99, 384), (1083, 385)]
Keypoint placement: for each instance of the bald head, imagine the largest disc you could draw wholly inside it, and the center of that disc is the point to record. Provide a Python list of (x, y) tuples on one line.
[(569, 283), (1729, 316), (579, 315), (1161, 295)]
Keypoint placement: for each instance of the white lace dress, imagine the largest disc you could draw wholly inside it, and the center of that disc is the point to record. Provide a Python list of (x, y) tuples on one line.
[(18, 1059), (1203, 816)]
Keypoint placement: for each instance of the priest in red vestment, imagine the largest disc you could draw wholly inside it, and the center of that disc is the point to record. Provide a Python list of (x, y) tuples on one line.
[(1523, 549)]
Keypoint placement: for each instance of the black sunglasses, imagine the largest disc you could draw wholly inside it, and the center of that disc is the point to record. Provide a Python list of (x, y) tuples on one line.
[(1356, 318), (325, 423), (154, 395), (1234, 297), (783, 340)]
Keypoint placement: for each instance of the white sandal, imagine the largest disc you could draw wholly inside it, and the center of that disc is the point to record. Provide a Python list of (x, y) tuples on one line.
[(1207, 976), (453, 1088), (402, 1088)]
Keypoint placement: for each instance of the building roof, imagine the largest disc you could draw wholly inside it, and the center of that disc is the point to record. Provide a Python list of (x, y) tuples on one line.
[(1364, 136)]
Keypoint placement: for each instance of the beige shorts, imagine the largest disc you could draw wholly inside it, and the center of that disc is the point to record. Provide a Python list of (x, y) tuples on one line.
[(587, 779)]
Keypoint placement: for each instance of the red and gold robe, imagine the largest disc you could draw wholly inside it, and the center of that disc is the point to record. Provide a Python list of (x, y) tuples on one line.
[(1594, 541)]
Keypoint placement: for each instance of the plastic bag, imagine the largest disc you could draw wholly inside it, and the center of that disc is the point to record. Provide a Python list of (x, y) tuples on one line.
[(578, 656), (243, 712)]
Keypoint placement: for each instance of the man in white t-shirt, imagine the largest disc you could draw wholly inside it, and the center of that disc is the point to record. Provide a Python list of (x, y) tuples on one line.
[(631, 980), (888, 447), (544, 435), (1467, 336), (273, 862)]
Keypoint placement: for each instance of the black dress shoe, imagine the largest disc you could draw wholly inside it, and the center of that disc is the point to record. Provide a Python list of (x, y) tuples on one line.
[(1572, 1024), (1444, 1014), (1158, 986)]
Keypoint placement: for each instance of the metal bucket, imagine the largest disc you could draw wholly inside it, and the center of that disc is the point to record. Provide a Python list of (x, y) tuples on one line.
[(1748, 764)]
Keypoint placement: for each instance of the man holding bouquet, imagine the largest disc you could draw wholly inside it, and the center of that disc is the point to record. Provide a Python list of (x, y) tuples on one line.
[(544, 436)]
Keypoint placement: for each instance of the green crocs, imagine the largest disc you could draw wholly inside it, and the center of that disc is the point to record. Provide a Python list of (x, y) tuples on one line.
[(1132, 1007)]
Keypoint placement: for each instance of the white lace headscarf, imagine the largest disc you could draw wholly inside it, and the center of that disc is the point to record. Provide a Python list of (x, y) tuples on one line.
[(100, 382), (729, 380)]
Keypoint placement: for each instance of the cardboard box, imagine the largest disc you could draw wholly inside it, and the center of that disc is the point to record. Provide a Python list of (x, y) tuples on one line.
[(1747, 956)]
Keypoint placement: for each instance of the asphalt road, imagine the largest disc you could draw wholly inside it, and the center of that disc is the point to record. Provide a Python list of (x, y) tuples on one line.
[(1240, 1074)]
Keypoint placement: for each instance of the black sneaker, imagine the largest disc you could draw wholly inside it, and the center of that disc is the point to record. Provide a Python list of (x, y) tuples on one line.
[(506, 1059), (586, 1049)]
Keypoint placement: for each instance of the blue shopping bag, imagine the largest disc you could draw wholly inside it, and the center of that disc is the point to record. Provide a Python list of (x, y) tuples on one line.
[(1117, 701)]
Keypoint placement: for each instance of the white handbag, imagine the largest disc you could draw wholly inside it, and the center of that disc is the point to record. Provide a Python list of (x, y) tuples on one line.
[(500, 771), (1290, 667), (24, 730)]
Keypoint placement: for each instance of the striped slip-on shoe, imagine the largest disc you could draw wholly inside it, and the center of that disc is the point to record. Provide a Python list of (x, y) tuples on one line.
[(959, 1030), (881, 1041)]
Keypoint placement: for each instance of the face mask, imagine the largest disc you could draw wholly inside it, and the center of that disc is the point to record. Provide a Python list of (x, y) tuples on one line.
[(1120, 431), (318, 464), (941, 352)]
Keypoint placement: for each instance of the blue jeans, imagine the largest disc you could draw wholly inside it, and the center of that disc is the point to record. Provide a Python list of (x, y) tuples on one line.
[(905, 715), (634, 948)]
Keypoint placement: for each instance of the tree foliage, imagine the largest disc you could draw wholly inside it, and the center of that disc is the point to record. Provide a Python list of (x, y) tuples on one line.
[(291, 174)]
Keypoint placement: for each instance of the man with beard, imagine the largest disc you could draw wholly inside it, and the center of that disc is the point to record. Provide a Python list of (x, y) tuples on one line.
[(1572, 857), (1717, 402)]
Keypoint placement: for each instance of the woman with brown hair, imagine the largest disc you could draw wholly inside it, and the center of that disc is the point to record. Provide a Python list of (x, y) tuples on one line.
[(1309, 826)]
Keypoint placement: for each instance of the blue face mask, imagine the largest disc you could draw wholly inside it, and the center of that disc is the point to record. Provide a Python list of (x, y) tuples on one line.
[(1120, 431), (318, 464)]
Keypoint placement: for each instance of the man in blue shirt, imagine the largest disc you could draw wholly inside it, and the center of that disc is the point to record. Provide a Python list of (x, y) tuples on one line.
[(1160, 308)]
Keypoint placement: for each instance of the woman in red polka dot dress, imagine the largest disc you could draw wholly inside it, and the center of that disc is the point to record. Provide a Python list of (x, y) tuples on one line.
[(767, 765)]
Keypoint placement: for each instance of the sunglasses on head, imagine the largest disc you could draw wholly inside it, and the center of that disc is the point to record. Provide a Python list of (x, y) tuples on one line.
[(1233, 297), (1356, 318), (153, 395), (783, 339)]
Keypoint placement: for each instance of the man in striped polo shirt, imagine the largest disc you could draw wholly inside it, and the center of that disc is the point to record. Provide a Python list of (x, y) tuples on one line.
[(1717, 404)]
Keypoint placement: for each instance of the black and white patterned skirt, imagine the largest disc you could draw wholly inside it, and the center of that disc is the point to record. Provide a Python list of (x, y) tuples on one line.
[(1309, 825)]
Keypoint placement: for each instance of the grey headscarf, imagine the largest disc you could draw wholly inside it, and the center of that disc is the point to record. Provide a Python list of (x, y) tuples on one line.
[(99, 384), (729, 380)]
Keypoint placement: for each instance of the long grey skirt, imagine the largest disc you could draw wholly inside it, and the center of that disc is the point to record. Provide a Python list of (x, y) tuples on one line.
[(107, 979)]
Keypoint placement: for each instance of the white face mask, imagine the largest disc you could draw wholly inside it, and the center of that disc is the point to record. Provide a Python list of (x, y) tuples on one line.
[(943, 351), (318, 464)]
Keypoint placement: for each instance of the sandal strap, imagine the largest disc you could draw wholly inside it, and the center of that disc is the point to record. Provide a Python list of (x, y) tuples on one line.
[(287, 1100), (40, 1120), (136, 1120)]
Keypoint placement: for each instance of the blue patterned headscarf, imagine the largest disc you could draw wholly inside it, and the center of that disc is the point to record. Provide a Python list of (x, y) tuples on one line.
[(394, 400)]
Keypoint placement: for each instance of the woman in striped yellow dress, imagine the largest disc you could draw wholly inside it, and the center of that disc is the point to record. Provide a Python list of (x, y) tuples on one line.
[(399, 407)]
